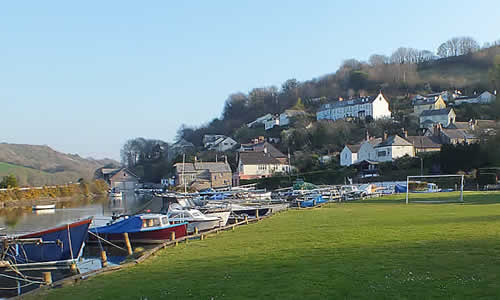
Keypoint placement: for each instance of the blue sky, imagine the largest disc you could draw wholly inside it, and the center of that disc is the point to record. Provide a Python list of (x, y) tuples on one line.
[(85, 77)]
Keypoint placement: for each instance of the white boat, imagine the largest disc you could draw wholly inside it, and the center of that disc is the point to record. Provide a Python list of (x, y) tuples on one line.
[(195, 218), (43, 206)]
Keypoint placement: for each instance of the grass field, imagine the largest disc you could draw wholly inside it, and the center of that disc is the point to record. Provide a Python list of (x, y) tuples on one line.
[(28, 176), (370, 249)]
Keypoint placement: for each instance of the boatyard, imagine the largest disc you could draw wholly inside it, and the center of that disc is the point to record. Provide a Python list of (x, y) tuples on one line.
[(289, 224), (378, 249)]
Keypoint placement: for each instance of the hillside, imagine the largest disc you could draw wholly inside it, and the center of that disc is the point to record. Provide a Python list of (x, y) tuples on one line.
[(39, 165)]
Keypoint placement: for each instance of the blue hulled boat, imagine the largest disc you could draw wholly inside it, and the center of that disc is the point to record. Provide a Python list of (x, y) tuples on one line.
[(53, 245), (311, 201)]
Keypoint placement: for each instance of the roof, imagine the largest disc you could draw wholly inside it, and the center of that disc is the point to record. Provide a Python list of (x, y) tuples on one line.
[(425, 101), (374, 142), (457, 134), (213, 167), (459, 125), (394, 140), (421, 142), (436, 112), (348, 102), (354, 148), (109, 171), (116, 171), (258, 158), (270, 149)]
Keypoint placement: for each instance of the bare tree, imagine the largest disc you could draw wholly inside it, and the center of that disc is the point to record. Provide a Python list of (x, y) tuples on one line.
[(458, 46), (378, 59)]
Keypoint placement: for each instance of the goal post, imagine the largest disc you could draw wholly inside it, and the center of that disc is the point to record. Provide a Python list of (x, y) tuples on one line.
[(428, 184)]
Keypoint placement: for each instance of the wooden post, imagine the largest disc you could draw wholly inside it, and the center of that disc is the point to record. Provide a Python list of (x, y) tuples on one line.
[(235, 219), (172, 235), (47, 278), (246, 219), (104, 259), (73, 268), (232, 227), (196, 230), (127, 243), (257, 214), (202, 237)]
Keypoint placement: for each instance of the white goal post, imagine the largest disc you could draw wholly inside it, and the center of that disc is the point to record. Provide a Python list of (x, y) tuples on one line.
[(408, 178)]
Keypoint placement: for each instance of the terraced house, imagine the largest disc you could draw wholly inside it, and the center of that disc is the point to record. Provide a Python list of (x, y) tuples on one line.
[(376, 107)]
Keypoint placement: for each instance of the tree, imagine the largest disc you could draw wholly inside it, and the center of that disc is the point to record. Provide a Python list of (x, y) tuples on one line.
[(299, 105), (9, 181), (458, 46), (494, 74), (378, 59)]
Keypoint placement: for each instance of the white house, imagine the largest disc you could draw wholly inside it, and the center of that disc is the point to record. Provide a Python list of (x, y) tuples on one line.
[(218, 142), (252, 165), (444, 116), (393, 147), (274, 121), (261, 120), (349, 155), (376, 107), (367, 149), (289, 113), (484, 98)]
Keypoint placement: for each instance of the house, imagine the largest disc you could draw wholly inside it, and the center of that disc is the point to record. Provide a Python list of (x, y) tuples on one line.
[(393, 147), (444, 116), (118, 178), (288, 114), (252, 165), (260, 145), (218, 142), (202, 175), (181, 146), (427, 103), (453, 134), (272, 122), (376, 150), (260, 120), (349, 155), (367, 168), (483, 98), (260, 159), (282, 119), (376, 107), (425, 143)]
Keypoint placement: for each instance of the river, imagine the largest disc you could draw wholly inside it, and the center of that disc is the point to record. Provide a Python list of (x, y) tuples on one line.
[(25, 220)]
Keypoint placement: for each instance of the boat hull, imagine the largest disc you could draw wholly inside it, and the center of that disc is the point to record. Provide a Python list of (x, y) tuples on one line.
[(223, 215), (60, 243), (156, 236)]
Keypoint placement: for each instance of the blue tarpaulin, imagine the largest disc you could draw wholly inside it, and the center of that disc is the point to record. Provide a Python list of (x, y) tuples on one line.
[(131, 224)]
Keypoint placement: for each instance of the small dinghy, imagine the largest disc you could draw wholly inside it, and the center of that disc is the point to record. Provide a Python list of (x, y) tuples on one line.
[(43, 206)]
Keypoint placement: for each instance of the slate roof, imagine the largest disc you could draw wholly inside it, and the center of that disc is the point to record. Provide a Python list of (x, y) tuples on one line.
[(354, 148), (270, 149), (374, 142), (213, 167), (422, 142), (394, 140), (436, 112), (258, 158), (424, 101), (458, 134), (348, 102)]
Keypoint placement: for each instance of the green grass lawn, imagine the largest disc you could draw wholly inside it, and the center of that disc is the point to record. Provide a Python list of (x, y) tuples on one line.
[(370, 249)]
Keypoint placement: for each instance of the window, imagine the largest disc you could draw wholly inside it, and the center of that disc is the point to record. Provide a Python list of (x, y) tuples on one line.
[(381, 153)]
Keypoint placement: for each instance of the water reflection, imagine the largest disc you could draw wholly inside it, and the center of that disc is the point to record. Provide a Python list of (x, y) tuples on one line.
[(24, 219)]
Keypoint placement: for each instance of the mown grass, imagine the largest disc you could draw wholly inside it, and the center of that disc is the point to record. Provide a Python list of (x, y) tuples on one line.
[(370, 249)]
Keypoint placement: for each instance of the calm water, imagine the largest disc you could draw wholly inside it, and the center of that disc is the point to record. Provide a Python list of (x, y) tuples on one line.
[(24, 220)]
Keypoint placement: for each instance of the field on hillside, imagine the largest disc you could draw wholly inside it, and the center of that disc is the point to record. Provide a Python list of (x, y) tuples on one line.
[(28, 176), (370, 249)]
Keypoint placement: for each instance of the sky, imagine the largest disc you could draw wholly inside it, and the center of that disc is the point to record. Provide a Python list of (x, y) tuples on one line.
[(85, 77)]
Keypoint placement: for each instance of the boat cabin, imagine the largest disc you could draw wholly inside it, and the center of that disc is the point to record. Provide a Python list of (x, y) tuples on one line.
[(154, 220)]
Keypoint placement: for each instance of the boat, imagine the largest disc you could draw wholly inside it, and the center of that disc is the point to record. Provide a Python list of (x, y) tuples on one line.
[(61, 244), (311, 200), (43, 206), (141, 229), (250, 211), (196, 219)]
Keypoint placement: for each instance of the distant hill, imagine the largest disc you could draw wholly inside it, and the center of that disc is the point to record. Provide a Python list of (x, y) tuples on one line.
[(39, 165)]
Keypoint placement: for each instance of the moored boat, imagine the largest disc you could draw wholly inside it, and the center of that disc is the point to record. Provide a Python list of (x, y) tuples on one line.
[(142, 229), (55, 245), (196, 219), (43, 206)]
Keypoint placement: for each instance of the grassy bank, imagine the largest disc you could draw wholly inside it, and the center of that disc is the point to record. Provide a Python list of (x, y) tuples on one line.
[(374, 249), (86, 189)]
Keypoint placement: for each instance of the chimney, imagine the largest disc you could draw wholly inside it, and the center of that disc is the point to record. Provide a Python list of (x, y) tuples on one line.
[(195, 159), (385, 136), (405, 134)]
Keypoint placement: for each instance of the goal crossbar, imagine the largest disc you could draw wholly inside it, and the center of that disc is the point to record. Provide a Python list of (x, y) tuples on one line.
[(436, 176)]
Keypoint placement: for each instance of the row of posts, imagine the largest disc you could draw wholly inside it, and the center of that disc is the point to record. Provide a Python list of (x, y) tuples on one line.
[(47, 276)]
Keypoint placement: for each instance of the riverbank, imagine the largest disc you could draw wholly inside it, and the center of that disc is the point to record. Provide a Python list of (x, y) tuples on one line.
[(378, 250), (21, 197)]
